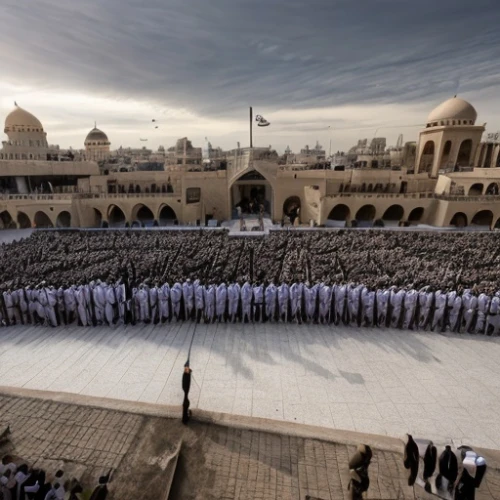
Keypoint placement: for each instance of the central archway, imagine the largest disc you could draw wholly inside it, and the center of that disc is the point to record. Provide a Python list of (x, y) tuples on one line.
[(116, 217), (167, 216), (459, 220), (250, 194), (42, 220), (416, 214)]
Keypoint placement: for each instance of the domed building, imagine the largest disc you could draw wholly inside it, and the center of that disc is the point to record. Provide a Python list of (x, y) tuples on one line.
[(26, 138), (450, 138), (97, 145)]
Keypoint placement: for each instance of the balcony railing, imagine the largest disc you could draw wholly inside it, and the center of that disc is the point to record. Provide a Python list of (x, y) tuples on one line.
[(84, 196), (464, 198), (382, 195)]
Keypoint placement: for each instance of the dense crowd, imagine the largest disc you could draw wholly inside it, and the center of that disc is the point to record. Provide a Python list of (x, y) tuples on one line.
[(374, 258)]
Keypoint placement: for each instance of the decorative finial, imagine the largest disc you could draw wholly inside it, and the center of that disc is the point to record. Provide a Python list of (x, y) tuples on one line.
[(455, 95), (15, 104), (95, 124)]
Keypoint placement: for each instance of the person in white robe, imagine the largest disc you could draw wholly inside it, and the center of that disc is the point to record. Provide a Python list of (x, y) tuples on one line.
[(143, 299), (199, 300), (164, 302), (368, 305), (176, 298), (110, 304), (493, 316), (410, 307), (469, 301), (82, 306), (188, 295), (246, 302), (258, 302), (296, 297), (438, 320), (283, 301), (233, 295), (209, 300), (271, 298), (341, 304), (221, 302)]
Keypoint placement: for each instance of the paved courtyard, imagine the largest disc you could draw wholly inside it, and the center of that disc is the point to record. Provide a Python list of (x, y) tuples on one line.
[(389, 382)]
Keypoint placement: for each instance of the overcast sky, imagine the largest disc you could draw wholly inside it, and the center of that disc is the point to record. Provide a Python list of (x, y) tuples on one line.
[(362, 67)]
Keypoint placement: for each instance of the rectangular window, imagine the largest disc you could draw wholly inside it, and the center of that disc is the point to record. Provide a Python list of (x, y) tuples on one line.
[(193, 195)]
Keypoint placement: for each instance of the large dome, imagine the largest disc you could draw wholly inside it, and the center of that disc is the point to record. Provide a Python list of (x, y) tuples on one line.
[(96, 135), (19, 118), (454, 109)]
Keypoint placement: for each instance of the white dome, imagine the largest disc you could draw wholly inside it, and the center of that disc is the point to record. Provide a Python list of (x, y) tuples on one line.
[(453, 109), (20, 118)]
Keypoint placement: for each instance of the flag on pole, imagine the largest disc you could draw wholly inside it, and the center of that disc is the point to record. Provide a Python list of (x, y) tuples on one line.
[(261, 121)]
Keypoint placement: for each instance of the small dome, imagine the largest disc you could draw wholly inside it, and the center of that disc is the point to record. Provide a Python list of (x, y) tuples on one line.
[(453, 109), (96, 135), (20, 118)]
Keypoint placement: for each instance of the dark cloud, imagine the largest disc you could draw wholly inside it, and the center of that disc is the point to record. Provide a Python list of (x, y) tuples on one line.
[(216, 57)]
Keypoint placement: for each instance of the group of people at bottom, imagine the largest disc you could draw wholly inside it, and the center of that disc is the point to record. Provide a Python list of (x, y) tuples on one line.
[(18, 481), (454, 474), (101, 303)]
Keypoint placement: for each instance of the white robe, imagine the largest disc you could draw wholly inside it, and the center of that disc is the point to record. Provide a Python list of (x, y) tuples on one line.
[(221, 300), (233, 295), (271, 295), (188, 294), (163, 298), (246, 300), (209, 296), (176, 296), (283, 299), (410, 305), (109, 308), (325, 301)]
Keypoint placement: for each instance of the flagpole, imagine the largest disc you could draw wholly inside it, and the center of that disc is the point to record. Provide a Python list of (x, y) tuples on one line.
[(251, 130)]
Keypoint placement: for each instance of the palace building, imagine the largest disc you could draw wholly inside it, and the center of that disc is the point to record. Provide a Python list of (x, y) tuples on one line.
[(449, 177)]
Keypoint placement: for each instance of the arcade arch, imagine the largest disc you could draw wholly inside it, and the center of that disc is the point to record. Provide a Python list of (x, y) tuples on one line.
[(459, 220), (464, 153), (116, 216), (340, 212), (445, 157), (483, 218), (416, 214), (249, 192), (366, 213), (23, 221), (492, 189), (97, 218), (143, 214), (6, 220), (63, 219), (167, 216), (476, 189), (394, 213), (427, 157), (42, 220)]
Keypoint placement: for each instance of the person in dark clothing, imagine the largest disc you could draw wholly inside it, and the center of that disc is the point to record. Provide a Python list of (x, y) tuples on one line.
[(411, 458), (186, 385), (358, 468), (101, 490), (448, 468)]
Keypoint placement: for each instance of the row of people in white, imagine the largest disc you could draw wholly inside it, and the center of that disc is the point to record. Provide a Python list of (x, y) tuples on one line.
[(100, 303)]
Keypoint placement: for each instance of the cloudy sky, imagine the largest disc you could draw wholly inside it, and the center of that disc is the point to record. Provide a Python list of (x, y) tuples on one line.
[(360, 67)]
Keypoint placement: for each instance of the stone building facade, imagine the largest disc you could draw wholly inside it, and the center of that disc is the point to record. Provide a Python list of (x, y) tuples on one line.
[(451, 178)]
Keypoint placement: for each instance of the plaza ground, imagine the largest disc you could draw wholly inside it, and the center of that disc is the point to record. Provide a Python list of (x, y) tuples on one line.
[(384, 382)]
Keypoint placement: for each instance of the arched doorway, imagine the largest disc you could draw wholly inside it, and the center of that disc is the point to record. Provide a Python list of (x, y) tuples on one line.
[(63, 219), (250, 194), (394, 213), (492, 189), (459, 220), (416, 214), (42, 220), (483, 218), (291, 208), (427, 157), (464, 153), (366, 213), (446, 154), (6, 220), (116, 217), (143, 214), (476, 189), (167, 216), (23, 221), (97, 218), (340, 212)]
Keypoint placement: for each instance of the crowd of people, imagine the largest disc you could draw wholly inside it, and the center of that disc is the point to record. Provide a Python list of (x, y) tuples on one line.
[(402, 279), (109, 303), (18, 481)]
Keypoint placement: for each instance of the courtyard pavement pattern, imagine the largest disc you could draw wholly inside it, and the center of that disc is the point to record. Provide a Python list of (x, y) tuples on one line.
[(388, 382)]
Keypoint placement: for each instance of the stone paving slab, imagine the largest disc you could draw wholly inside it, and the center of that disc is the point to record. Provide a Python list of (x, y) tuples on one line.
[(388, 382)]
